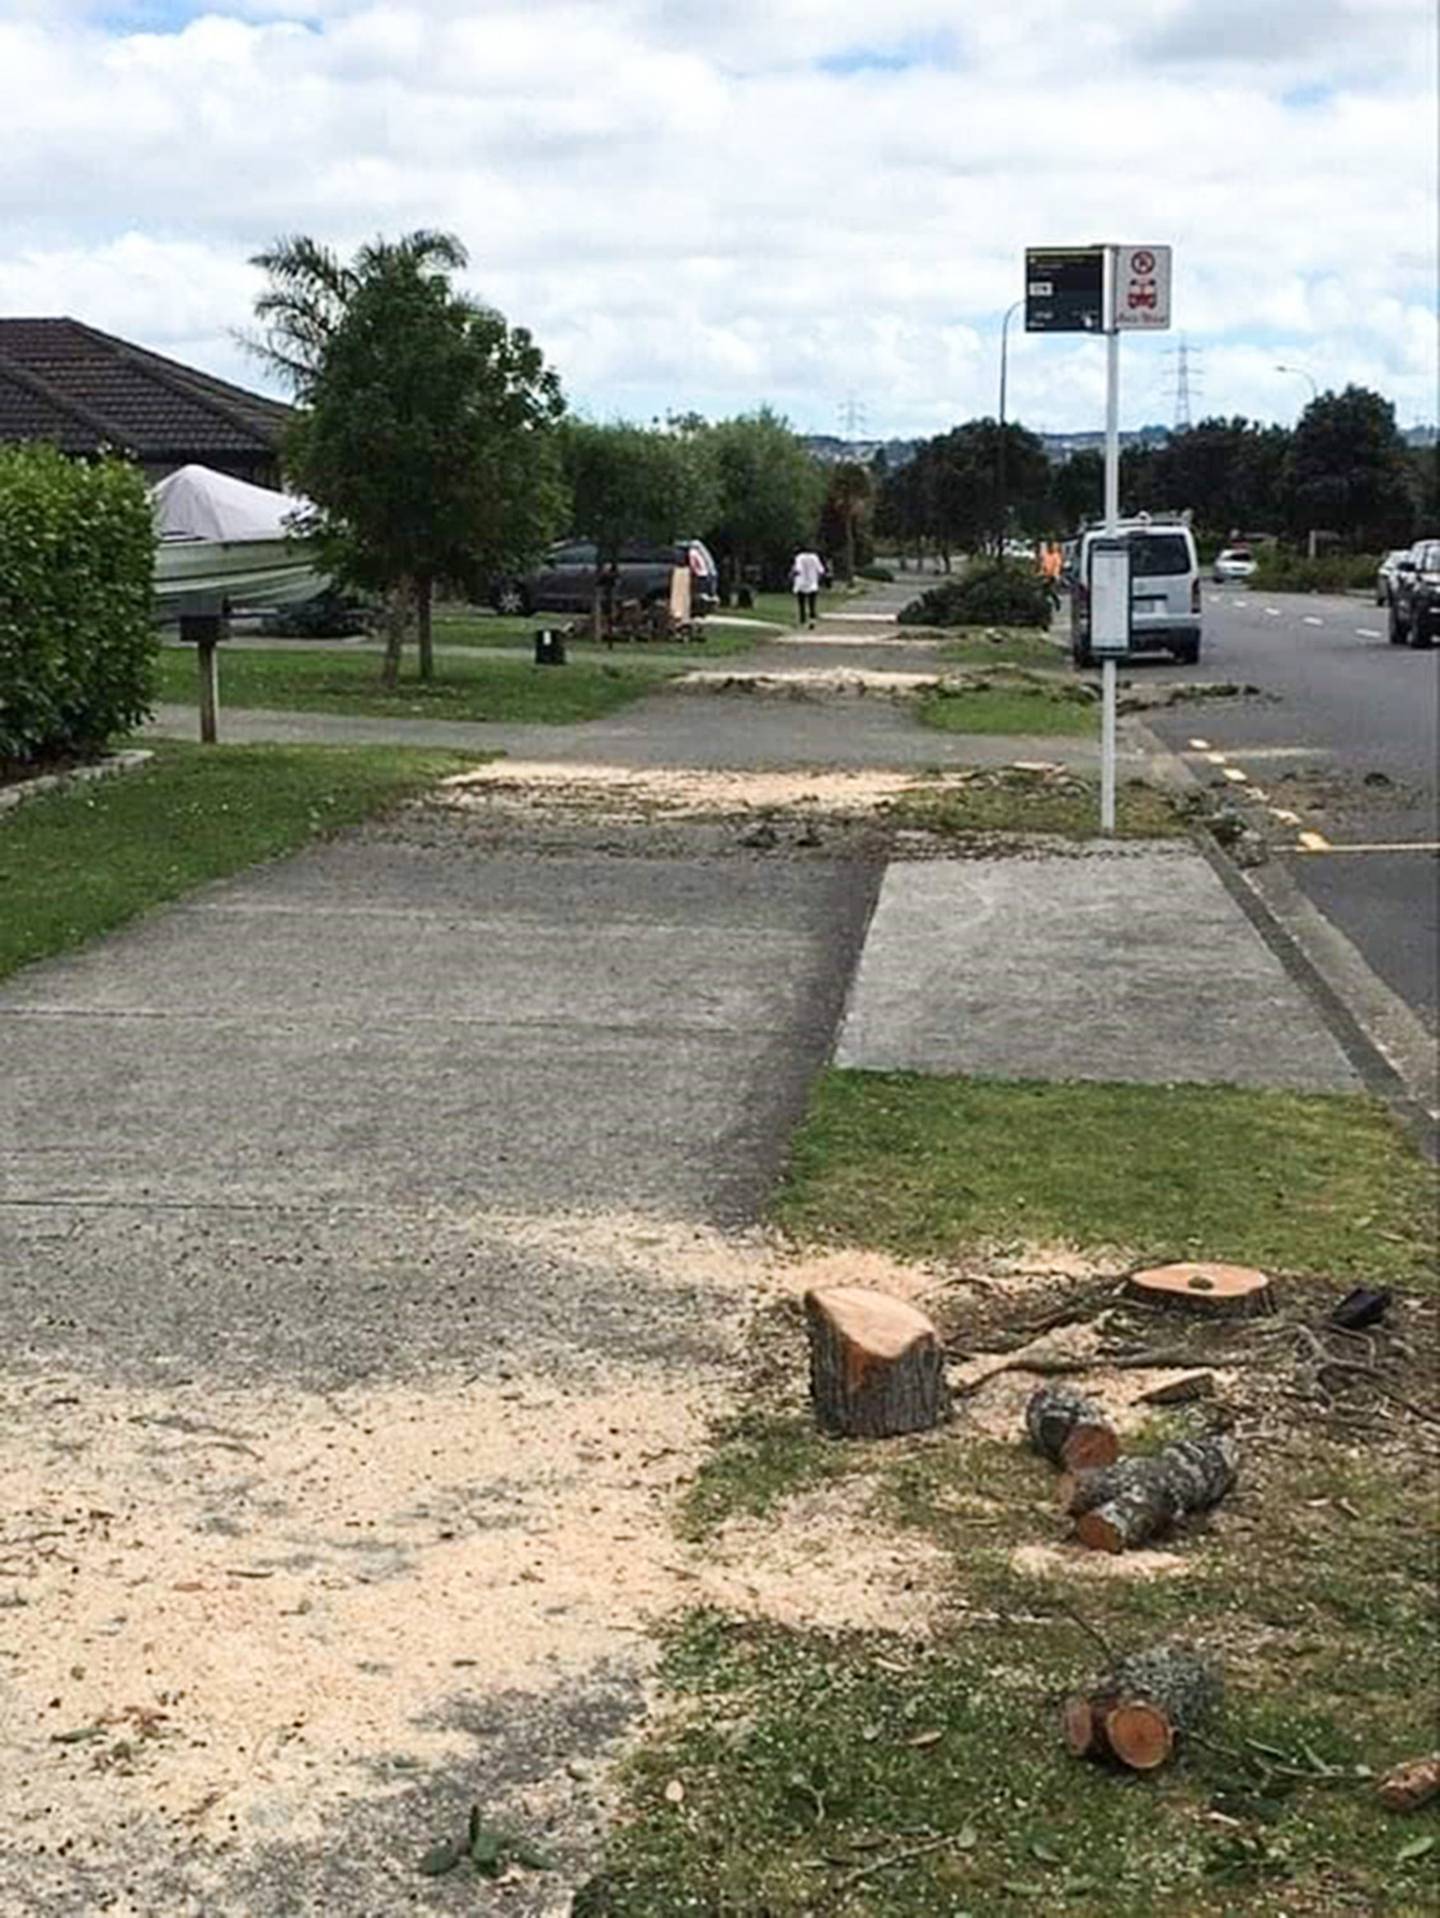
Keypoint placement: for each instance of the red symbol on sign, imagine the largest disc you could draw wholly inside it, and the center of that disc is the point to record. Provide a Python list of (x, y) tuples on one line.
[(1142, 296), (1142, 264)]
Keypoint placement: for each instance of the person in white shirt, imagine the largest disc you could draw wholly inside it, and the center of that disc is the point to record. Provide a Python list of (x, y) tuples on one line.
[(807, 570)]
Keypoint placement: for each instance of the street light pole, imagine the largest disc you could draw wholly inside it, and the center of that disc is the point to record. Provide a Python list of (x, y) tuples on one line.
[(1002, 509), (1300, 374)]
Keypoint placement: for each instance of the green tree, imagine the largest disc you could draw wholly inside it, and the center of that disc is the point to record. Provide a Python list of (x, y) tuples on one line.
[(770, 494), (632, 483), (849, 500), (1347, 472), (425, 439)]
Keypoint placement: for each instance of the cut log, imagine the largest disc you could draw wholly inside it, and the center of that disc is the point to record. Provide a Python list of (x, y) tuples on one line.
[(1137, 1712), (1411, 1785), (1070, 1429), (1137, 1499), (1220, 1291), (876, 1368)]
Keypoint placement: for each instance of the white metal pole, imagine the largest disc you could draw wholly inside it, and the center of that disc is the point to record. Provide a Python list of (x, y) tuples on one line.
[(1112, 525)]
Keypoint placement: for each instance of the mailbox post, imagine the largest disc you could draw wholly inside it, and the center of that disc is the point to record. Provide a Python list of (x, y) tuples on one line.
[(204, 631)]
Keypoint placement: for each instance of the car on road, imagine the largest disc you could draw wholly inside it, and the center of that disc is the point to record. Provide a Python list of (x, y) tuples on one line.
[(1234, 562), (1415, 596), (1385, 576), (565, 580), (1164, 590)]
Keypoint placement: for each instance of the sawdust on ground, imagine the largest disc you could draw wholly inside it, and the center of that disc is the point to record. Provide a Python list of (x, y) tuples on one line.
[(674, 789)]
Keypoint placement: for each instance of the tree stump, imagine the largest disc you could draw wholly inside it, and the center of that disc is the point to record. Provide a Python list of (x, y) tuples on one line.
[(876, 1368), (1217, 1291), (1136, 1713), (1136, 1499), (1070, 1429)]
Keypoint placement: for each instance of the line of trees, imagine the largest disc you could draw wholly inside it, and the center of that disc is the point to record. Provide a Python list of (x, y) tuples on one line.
[(1344, 471)]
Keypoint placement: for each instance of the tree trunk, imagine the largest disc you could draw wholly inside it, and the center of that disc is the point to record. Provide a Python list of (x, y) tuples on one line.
[(1216, 1291), (849, 548), (424, 605), (396, 618), (1137, 1498), (1135, 1713), (1069, 1429), (876, 1368)]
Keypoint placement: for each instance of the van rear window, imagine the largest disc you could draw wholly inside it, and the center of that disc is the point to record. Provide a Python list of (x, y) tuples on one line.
[(1152, 554)]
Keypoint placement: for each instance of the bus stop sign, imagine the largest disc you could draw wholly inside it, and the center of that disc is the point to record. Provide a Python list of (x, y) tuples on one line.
[(1065, 289)]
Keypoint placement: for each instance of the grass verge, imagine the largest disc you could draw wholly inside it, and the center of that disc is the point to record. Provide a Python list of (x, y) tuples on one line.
[(920, 1166), (1004, 646), (77, 863), (1009, 800), (479, 689), (466, 628), (1024, 706)]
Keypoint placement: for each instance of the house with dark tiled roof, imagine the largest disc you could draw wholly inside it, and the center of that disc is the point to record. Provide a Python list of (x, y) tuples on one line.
[(85, 391)]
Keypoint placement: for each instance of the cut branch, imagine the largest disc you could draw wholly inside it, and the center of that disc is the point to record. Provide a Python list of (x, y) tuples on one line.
[(1138, 1711), (1069, 1429), (1137, 1499)]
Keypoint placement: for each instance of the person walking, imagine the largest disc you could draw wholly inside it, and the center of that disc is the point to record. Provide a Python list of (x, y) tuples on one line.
[(807, 569)]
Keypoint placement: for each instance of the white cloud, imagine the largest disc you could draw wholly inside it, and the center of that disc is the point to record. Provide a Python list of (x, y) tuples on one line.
[(688, 210)]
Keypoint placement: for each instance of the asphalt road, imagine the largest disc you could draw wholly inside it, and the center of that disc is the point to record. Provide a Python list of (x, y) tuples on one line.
[(1337, 759)]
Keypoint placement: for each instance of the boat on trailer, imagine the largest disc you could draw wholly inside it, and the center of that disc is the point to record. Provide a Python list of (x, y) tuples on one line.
[(223, 545)]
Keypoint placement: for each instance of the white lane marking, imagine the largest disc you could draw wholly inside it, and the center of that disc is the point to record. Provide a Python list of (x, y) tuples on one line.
[(1369, 632), (1284, 814), (1314, 842), (1273, 611), (1259, 792), (1237, 602), (1216, 759), (1200, 745), (1311, 620), (1234, 772), (1394, 845)]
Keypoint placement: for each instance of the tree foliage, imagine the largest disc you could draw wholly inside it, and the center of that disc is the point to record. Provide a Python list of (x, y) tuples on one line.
[(425, 439), (1346, 471), (631, 482), (770, 492), (77, 645)]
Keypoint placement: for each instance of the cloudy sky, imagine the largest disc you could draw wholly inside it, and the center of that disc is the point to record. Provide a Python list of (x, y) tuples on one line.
[(709, 205)]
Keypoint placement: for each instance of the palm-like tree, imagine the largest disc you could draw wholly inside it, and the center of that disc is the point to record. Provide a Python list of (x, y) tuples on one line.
[(311, 287), (851, 491)]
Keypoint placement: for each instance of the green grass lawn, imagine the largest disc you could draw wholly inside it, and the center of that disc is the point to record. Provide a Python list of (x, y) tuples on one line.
[(1004, 646), (778, 609), (331, 681), (922, 1774), (466, 627), (921, 1166), (1026, 706), (77, 863)]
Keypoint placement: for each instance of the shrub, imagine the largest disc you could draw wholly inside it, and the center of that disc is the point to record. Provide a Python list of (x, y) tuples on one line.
[(77, 646), (1285, 572), (881, 574), (985, 596)]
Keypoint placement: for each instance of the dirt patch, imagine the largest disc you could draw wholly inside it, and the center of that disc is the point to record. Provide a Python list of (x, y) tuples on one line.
[(1073, 1561), (823, 1561), (637, 792)]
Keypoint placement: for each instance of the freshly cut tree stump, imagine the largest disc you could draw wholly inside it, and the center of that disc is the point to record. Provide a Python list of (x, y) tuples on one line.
[(1136, 1713), (876, 1368), (1069, 1429), (1136, 1499), (1411, 1785), (1220, 1291)]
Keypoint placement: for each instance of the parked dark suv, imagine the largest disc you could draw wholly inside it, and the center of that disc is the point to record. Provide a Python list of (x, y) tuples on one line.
[(1415, 596), (564, 581)]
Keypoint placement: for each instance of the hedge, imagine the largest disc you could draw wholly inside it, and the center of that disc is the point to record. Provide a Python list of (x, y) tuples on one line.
[(991, 595), (1286, 572), (77, 644)]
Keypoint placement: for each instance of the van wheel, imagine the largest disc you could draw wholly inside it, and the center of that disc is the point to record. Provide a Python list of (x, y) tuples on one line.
[(1188, 654), (1421, 636)]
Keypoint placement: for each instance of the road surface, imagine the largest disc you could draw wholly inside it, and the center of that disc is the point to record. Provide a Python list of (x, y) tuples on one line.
[(1338, 759)]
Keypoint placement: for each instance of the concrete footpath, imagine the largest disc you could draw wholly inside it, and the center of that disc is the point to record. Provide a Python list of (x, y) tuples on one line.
[(380, 1227)]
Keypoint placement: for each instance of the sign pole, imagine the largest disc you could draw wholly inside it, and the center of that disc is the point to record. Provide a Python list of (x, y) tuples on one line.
[(1108, 692)]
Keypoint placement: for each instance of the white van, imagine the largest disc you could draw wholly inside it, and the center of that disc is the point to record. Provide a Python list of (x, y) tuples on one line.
[(1164, 589)]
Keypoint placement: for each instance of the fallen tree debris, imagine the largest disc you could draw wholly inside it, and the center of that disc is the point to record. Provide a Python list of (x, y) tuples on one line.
[(1136, 1712), (1219, 1291), (1409, 1786), (1136, 1499), (1069, 1429), (1194, 1385), (876, 1368)]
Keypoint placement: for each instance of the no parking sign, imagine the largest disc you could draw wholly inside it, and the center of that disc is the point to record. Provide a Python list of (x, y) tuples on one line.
[(1140, 289)]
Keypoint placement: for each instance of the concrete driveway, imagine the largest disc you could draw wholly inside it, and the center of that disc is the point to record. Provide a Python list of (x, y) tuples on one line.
[(369, 1225)]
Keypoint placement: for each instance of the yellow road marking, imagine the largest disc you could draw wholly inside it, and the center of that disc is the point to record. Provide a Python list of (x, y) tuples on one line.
[(1216, 759), (1397, 845), (1314, 842), (1200, 745), (1234, 772), (1284, 813)]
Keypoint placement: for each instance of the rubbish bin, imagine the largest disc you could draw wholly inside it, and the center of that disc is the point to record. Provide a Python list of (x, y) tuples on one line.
[(549, 648)]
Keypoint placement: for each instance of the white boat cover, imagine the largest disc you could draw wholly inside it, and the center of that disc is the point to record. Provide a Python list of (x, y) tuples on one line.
[(196, 503)]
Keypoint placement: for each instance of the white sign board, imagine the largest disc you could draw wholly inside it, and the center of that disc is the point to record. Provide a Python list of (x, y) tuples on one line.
[(1109, 599), (1140, 291)]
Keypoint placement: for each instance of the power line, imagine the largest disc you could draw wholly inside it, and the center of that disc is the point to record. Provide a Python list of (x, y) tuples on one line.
[(1187, 382), (853, 417)]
